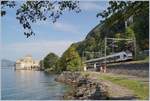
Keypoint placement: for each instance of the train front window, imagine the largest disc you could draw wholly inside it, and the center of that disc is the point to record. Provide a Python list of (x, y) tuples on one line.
[(124, 56), (118, 57)]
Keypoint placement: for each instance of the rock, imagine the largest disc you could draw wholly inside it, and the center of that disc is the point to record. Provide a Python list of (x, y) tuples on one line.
[(83, 88), (82, 81), (79, 94), (98, 94)]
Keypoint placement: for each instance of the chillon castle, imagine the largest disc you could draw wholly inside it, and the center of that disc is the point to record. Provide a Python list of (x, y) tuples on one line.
[(27, 63)]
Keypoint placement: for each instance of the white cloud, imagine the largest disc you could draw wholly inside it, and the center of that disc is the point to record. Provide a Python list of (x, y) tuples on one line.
[(66, 27), (60, 26), (38, 49)]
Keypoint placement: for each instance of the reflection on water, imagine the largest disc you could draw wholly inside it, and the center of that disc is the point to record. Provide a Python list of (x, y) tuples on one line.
[(30, 85)]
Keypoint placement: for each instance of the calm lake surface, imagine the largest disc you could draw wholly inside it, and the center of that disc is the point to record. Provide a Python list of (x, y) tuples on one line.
[(30, 85)]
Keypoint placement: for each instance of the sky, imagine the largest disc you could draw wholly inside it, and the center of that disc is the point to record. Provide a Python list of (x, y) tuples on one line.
[(70, 27)]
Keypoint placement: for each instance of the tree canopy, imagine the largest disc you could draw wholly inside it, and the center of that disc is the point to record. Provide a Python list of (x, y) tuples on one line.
[(122, 10), (50, 61), (71, 60)]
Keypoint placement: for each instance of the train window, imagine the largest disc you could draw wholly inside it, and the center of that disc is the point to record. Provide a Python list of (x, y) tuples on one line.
[(124, 56), (118, 57)]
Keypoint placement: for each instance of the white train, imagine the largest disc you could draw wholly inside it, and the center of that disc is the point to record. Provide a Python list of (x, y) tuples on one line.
[(116, 57)]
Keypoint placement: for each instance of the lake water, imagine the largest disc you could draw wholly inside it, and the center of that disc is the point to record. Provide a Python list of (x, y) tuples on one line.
[(30, 85)]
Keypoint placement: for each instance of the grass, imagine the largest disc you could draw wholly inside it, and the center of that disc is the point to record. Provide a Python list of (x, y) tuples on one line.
[(140, 89)]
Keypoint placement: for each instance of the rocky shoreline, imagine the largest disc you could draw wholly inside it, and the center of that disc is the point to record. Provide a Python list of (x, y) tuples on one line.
[(83, 88)]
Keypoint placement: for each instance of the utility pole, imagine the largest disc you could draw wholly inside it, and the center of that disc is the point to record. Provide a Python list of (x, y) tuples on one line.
[(82, 55), (105, 48), (134, 47)]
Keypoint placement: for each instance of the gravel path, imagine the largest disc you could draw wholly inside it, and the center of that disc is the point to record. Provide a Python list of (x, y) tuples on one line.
[(117, 92)]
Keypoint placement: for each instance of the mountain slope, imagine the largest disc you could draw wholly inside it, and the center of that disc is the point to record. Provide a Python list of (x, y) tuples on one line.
[(7, 63), (139, 27)]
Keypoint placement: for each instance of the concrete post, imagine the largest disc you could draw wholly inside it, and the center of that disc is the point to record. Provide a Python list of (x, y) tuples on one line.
[(85, 67), (134, 47), (94, 66), (106, 49)]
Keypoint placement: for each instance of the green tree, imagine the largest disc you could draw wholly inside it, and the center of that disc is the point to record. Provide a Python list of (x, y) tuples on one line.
[(141, 29), (71, 60), (119, 43), (122, 10), (129, 33), (41, 65), (50, 62), (59, 67)]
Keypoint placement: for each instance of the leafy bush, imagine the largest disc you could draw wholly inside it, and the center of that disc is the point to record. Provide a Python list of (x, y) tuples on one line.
[(71, 60), (50, 62)]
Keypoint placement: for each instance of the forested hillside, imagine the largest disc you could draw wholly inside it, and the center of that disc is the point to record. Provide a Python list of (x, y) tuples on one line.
[(121, 20), (134, 14)]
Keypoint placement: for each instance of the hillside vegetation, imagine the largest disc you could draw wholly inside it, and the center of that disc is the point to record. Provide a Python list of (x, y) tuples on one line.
[(136, 14), (122, 19)]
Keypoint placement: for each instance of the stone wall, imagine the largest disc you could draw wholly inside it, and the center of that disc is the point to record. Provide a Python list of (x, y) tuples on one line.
[(135, 69)]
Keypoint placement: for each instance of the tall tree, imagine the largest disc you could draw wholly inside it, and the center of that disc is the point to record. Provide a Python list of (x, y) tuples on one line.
[(50, 61), (71, 60)]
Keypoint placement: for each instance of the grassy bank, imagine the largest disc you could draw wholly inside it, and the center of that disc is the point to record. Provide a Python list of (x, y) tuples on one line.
[(140, 89)]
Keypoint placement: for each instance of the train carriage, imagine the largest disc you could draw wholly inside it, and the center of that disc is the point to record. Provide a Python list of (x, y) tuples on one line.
[(116, 57)]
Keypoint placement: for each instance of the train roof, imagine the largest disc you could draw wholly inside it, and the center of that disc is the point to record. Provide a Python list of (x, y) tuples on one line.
[(115, 54)]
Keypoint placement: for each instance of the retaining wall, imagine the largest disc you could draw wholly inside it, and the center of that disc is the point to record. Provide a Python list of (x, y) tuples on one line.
[(136, 69)]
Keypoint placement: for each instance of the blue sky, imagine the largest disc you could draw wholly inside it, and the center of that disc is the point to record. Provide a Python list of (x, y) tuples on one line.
[(57, 37)]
